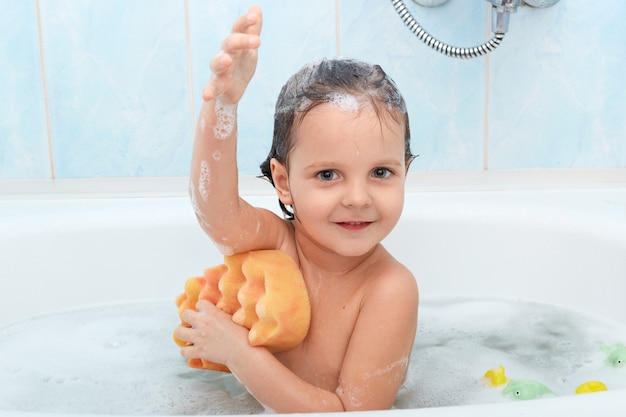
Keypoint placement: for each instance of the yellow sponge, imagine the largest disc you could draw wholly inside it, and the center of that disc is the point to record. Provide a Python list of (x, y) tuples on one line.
[(263, 290)]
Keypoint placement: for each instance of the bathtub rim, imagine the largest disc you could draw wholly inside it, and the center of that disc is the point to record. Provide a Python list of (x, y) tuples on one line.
[(600, 403)]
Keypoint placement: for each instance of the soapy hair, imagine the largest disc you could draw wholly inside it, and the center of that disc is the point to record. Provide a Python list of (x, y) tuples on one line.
[(343, 83)]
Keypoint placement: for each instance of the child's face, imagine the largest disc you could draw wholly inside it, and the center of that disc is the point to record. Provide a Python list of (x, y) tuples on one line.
[(346, 177)]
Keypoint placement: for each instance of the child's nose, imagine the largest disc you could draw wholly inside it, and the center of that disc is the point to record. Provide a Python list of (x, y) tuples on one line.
[(357, 195)]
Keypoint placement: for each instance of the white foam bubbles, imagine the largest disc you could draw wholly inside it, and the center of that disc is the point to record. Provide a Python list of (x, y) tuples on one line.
[(224, 249), (120, 359), (194, 204), (344, 102), (205, 180), (115, 359), (460, 338), (226, 117)]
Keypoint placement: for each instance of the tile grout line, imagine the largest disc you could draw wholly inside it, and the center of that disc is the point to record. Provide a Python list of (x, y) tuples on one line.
[(487, 98), (44, 85), (338, 27)]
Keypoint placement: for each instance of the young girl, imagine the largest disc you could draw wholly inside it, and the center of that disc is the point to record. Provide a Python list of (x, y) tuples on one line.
[(338, 162)]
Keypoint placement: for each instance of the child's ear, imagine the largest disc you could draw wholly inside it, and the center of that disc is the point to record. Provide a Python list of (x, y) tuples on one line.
[(281, 181)]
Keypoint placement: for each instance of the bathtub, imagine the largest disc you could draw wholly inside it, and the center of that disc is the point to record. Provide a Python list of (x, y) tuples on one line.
[(561, 241)]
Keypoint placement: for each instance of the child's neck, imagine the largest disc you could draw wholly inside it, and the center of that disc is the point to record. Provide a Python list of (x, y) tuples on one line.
[(331, 263)]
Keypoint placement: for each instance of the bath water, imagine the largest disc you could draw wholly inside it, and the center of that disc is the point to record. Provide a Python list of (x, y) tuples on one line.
[(120, 359), (460, 338)]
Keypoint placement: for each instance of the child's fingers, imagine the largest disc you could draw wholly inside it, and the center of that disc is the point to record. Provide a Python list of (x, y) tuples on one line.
[(224, 58), (250, 22), (211, 91), (240, 41), (189, 316), (220, 62), (184, 333), (189, 352), (205, 306), (255, 29), (215, 87), (234, 65)]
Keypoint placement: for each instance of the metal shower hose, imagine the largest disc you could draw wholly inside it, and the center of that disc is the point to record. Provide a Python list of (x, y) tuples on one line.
[(451, 51)]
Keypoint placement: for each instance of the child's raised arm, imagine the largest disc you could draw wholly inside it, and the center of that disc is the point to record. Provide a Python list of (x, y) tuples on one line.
[(233, 224)]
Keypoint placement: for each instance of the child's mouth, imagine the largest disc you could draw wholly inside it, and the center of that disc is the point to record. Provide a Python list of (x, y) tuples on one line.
[(354, 225)]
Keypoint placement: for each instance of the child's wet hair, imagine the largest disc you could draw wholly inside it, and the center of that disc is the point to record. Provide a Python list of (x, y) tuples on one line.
[(333, 81)]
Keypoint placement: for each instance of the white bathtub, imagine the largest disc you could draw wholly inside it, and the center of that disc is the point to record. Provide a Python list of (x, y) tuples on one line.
[(564, 246)]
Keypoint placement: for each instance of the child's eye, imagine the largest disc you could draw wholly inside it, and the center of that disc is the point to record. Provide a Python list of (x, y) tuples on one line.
[(381, 173), (327, 175)]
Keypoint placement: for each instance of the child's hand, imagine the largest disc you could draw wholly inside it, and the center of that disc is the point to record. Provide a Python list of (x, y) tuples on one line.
[(213, 334), (235, 64)]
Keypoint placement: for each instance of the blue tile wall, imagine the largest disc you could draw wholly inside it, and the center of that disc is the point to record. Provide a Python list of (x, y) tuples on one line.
[(558, 91), (93, 88), (24, 151), (118, 96)]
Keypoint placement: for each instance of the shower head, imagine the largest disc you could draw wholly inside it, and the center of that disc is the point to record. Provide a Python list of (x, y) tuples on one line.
[(500, 12)]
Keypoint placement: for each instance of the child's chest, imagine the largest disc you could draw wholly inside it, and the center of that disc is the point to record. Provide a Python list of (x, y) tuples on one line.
[(318, 359)]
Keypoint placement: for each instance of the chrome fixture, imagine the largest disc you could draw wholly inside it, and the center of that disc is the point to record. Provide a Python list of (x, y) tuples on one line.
[(430, 3), (541, 3), (500, 15)]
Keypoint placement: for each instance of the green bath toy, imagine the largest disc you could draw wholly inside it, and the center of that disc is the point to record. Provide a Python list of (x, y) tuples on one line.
[(526, 390), (615, 355)]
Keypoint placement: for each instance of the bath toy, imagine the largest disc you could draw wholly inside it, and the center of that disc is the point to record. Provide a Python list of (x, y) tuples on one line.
[(263, 290), (526, 390), (615, 355), (590, 386), (495, 377)]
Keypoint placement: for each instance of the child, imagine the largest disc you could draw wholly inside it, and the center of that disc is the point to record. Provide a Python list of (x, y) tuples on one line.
[(338, 163)]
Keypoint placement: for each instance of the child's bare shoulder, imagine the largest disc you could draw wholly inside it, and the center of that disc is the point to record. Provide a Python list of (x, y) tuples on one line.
[(391, 280), (390, 300)]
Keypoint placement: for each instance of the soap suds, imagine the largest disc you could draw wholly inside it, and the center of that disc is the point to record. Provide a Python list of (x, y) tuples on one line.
[(205, 180), (225, 122), (224, 249), (403, 363), (116, 369), (203, 124), (217, 155), (344, 102), (123, 362), (194, 204), (351, 394)]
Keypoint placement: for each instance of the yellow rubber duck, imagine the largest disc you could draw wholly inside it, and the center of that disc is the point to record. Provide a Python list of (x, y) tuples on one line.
[(496, 377), (591, 386)]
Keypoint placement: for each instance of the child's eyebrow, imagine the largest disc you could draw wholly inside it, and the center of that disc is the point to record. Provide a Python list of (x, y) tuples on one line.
[(322, 164), (388, 162)]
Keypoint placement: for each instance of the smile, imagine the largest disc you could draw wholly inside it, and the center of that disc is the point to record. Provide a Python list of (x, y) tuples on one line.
[(354, 225)]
